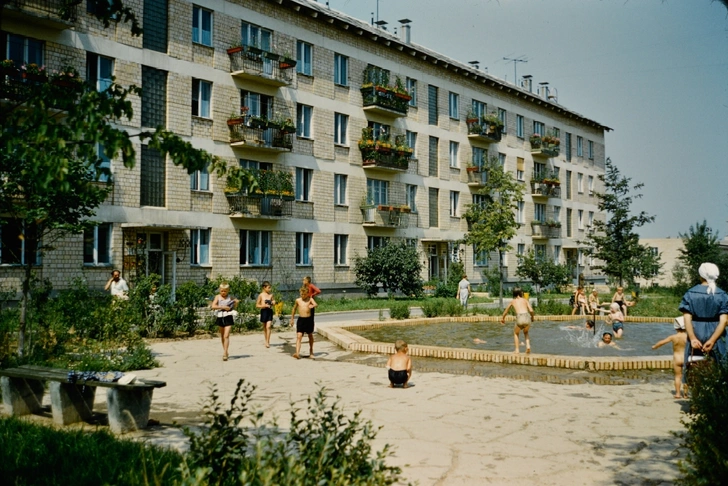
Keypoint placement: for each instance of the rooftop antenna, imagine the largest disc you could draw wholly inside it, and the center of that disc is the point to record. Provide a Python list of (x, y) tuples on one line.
[(382, 24), (515, 61), (475, 64)]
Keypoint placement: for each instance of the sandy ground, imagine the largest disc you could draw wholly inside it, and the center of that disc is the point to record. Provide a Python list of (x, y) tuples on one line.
[(448, 429)]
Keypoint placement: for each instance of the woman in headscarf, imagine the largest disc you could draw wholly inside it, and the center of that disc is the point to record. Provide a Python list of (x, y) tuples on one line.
[(705, 308)]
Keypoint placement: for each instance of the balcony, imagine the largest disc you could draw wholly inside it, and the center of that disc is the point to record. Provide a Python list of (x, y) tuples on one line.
[(265, 207), (545, 230), (54, 14), (248, 62), (385, 216), (477, 176), (483, 132), (385, 100), (255, 134), (547, 146), (545, 189)]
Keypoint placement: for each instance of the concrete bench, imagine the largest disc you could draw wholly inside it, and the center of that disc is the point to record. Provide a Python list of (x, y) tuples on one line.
[(128, 405)]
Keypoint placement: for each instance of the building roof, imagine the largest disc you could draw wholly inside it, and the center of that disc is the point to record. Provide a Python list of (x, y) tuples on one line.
[(344, 22)]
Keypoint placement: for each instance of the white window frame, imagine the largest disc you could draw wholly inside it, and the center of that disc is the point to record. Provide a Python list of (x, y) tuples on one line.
[(256, 36), (378, 191), (519, 126), (579, 146), (590, 148), (580, 183), (539, 128), (502, 159), (341, 124), (199, 33), (479, 108), (480, 258), (590, 220), (23, 241), (201, 98), (340, 250), (376, 242), (304, 56), (99, 256), (411, 86), (521, 249), (454, 201), (304, 115), (411, 197), (303, 184), (103, 80), (200, 180), (521, 212), (411, 138), (580, 218), (341, 69), (503, 116), (260, 242), (539, 212), (454, 104), (590, 184), (105, 163), (454, 150), (340, 182), (200, 246), (303, 249)]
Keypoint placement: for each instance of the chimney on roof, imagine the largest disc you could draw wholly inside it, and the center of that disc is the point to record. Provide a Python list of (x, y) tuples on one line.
[(543, 89), (475, 64), (527, 83), (405, 30)]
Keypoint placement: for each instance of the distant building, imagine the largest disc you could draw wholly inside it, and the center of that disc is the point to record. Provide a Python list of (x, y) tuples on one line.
[(669, 251)]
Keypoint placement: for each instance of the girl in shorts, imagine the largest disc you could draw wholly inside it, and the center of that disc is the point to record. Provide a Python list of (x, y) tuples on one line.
[(224, 307)]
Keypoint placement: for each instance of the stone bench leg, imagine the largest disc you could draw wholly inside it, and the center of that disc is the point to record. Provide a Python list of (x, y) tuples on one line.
[(71, 403), (128, 409), (22, 396)]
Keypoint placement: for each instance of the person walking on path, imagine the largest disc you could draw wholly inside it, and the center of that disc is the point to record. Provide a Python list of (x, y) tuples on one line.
[(265, 303), (705, 309), (304, 305), (463, 291), (224, 305), (524, 318)]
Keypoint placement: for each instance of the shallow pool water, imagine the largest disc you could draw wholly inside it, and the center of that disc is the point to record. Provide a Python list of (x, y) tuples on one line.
[(547, 337)]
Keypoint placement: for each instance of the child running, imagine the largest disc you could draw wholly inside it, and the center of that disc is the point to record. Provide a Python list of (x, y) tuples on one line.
[(678, 341), (400, 366), (225, 307), (304, 305), (265, 303), (524, 318)]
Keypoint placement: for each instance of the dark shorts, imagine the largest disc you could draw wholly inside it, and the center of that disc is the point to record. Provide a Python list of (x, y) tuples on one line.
[(225, 321), (398, 377), (616, 326), (304, 325), (266, 315)]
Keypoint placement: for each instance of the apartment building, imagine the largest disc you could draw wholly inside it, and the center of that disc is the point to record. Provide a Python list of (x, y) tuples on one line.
[(356, 136)]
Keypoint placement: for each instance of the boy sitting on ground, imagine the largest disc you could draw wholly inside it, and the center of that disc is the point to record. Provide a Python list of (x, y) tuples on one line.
[(400, 366)]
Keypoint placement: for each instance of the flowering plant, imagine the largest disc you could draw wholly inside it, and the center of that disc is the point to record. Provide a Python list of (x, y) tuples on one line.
[(68, 73), (535, 139), (7, 63), (33, 68)]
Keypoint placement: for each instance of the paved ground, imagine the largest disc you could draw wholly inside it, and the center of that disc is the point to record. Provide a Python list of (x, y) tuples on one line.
[(448, 429)]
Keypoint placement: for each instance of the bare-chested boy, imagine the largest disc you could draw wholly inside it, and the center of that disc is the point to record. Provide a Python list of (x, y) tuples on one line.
[(524, 317), (678, 341), (399, 365), (304, 305)]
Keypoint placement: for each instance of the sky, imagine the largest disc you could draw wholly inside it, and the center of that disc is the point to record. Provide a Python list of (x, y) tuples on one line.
[(655, 71)]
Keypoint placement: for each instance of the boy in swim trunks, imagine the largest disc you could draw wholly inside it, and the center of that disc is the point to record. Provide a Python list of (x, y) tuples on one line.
[(524, 317), (399, 365), (305, 306), (265, 303), (616, 319)]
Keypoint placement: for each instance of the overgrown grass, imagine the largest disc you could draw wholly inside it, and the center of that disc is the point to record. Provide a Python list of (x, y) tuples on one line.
[(38, 455)]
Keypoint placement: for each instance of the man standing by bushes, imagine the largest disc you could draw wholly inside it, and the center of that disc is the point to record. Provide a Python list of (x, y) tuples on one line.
[(118, 286)]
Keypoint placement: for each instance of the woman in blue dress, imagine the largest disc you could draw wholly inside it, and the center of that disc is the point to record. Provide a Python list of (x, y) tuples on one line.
[(705, 308)]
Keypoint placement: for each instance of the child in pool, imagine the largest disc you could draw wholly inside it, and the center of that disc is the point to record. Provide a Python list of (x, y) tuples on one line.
[(399, 365), (616, 319), (607, 341), (678, 340)]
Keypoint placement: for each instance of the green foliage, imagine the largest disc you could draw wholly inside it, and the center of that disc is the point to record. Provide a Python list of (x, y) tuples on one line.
[(615, 242), (552, 307), (399, 310), (702, 245), (396, 267), (450, 288), (38, 455), (324, 447), (442, 307), (542, 270), (706, 438)]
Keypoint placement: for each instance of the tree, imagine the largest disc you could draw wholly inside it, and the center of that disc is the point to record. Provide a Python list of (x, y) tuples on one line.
[(614, 242), (702, 245), (394, 267), (542, 271), (52, 177), (492, 221)]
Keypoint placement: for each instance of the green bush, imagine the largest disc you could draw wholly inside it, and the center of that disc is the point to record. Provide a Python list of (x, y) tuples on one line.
[(395, 266), (551, 307), (452, 307), (399, 310), (324, 447), (431, 307), (38, 455), (707, 436)]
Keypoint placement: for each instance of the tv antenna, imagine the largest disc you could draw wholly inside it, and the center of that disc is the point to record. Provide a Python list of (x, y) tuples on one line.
[(515, 61)]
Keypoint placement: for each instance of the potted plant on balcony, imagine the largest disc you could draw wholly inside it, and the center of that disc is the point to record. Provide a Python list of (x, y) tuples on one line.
[(494, 124), (238, 119), (471, 117), (236, 47), (33, 72), (400, 91), (472, 168), (287, 126), (383, 145), (535, 141), (368, 208), (286, 61), (68, 77), (7, 67), (258, 121)]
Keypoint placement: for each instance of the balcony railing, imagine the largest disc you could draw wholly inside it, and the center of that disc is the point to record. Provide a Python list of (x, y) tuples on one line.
[(244, 206), (385, 100), (477, 176), (51, 12), (263, 66), (485, 132), (545, 230), (385, 158), (386, 216), (539, 149), (542, 189), (244, 135)]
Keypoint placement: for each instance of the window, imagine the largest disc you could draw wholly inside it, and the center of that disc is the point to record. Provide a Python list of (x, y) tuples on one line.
[(411, 85), (520, 169), (378, 191), (153, 178), (503, 116), (104, 165), (379, 129), (539, 212), (303, 184), (341, 122), (24, 50), (433, 206), (340, 242), (376, 242), (253, 35), (155, 21), (154, 97), (579, 147), (340, 189), (557, 213), (567, 142), (539, 171), (18, 244), (200, 247), (99, 71), (412, 142), (502, 159), (590, 220), (580, 183), (539, 251), (479, 109), (479, 156), (591, 149), (432, 104), (341, 70), (454, 147), (568, 222), (521, 249), (557, 253), (520, 212), (454, 105), (433, 157), (539, 128), (480, 258), (568, 184), (303, 248), (480, 200), (519, 126), (201, 26), (590, 185), (255, 247), (411, 197), (97, 245), (304, 114), (201, 94), (454, 199), (200, 180), (304, 52), (580, 217)]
